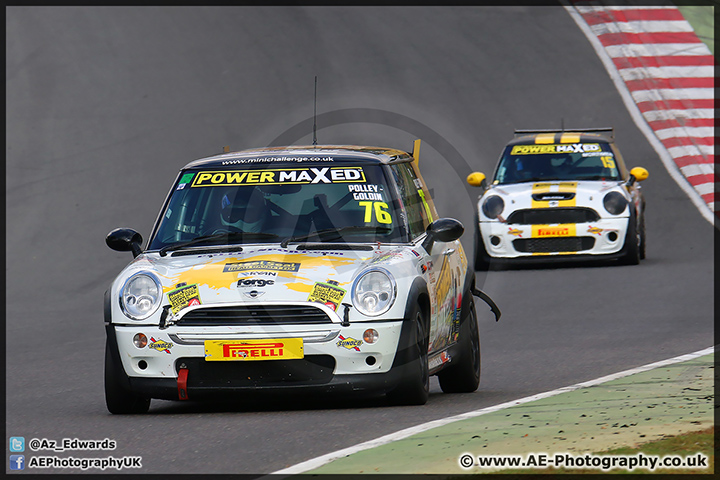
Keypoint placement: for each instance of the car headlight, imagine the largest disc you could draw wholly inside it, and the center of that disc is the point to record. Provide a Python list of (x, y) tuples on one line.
[(614, 203), (373, 292), (493, 206), (140, 296)]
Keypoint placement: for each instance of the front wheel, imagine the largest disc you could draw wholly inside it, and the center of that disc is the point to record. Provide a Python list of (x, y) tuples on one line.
[(414, 388), (480, 254), (642, 236), (464, 376), (632, 244), (118, 399)]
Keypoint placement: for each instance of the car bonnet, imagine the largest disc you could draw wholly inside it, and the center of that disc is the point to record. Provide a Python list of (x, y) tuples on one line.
[(271, 274)]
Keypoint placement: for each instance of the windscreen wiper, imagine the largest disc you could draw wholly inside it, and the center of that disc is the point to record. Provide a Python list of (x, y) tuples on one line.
[(337, 231), (215, 236), (542, 179)]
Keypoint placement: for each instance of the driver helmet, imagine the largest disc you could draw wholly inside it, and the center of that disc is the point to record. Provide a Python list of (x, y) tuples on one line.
[(246, 207)]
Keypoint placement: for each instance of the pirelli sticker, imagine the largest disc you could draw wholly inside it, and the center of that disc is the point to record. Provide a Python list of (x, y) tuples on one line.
[(555, 148), (261, 265), (283, 176), (248, 350), (543, 231)]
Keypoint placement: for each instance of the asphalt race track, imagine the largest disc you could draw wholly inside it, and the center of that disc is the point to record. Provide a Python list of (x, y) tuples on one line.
[(104, 105)]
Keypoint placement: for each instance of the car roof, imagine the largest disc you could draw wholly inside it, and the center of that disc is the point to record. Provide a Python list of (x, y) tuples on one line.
[(258, 156), (566, 136)]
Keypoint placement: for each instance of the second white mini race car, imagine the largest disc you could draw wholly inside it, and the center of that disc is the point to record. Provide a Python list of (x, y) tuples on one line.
[(560, 195)]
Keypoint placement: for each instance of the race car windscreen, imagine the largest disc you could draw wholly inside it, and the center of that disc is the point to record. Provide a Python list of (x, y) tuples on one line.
[(315, 203), (578, 161)]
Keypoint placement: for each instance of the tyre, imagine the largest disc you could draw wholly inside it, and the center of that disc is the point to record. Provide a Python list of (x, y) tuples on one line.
[(414, 388), (463, 376), (632, 244), (118, 399), (642, 236), (480, 254)]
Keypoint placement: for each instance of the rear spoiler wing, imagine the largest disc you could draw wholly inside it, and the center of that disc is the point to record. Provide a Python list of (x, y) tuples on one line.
[(604, 130)]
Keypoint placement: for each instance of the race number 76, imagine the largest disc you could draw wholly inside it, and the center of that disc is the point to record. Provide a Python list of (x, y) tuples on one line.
[(382, 215)]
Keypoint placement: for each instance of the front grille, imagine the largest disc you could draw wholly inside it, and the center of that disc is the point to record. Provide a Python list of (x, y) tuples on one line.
[(313, 369), (554, 244), (255, 315), (545, 216)]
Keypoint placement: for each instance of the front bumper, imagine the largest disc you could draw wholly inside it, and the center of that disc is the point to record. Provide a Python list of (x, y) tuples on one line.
[(333, 359), (605, 238)]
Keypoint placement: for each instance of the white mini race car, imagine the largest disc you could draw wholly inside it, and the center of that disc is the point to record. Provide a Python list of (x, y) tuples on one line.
[(293, 269), (560, 195)]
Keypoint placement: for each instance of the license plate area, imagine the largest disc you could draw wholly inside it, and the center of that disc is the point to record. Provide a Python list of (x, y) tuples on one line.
[(251, 350)]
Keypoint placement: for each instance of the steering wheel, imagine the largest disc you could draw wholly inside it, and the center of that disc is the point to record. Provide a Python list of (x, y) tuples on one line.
[(225, 230)]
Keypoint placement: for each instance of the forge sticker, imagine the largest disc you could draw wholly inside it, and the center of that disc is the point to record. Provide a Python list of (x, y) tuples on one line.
[(182, 297), (254, 287), (515, 231), (327, 293), (366, 192), (261, 265), (349, 343), (249, 282), (595, 230), (160, 345), (555, 148), (279, 176)]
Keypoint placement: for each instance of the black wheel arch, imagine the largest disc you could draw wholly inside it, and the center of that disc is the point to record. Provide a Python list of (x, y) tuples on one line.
[(114, 351), (107, 305), (418, 294)]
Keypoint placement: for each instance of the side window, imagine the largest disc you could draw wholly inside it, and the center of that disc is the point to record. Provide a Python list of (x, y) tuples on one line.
[(620, 162), (408, 185)]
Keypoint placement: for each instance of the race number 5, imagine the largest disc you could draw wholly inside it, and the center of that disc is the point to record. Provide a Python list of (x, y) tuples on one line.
[(607, 162), (381, 215)]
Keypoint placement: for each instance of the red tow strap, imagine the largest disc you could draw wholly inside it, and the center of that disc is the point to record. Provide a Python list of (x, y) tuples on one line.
[(182, 383)]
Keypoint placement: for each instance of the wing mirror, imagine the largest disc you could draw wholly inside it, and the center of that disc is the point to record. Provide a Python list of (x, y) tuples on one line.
[(125, 240), (442, 230), (637, 174), (476, 179)]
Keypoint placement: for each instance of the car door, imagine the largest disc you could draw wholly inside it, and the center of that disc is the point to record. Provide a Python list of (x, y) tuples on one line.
[(442, 264)]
